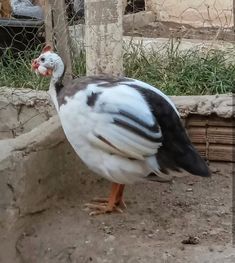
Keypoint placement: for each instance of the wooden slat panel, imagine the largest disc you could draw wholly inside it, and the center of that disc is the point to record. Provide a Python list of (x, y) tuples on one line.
[(209, 121), (221, 122), (221, 135), (221, 153), (224, 153), (213, 137), (196, 121), (197, 134), (201, 149)]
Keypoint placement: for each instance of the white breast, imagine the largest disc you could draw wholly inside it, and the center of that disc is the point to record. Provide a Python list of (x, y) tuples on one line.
[(78, 120)]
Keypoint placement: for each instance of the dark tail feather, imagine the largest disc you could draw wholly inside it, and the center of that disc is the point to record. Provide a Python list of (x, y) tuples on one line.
[(193, 163), (187, 159)]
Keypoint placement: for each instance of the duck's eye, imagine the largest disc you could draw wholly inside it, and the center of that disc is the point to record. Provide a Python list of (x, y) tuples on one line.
[(42, 59)]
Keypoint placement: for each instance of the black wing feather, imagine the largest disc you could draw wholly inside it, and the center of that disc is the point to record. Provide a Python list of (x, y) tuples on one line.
[(177, 151)]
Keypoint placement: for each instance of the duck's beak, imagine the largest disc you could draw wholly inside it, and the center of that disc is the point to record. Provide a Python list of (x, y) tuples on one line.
[(49, 72), (40, 70), (34, 65)]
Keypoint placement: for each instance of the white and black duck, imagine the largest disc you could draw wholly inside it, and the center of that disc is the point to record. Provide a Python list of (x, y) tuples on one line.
[(123, 129)]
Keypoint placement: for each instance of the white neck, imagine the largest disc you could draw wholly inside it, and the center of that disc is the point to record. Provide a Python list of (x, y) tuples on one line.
[(52, 92), (56, 75), (58, 70)]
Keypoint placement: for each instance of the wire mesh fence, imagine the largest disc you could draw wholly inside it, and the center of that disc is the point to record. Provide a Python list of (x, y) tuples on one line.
[(203, 20), (93, 35), (23, 28), (25, 25)]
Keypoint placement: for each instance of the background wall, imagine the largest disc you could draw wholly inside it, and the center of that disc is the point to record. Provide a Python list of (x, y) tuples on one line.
[(194, 12)]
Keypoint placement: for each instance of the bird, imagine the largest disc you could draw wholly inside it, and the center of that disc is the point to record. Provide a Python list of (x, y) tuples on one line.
[(123, 129)]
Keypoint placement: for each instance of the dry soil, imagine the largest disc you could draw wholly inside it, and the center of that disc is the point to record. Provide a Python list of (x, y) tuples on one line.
[(158, 220)]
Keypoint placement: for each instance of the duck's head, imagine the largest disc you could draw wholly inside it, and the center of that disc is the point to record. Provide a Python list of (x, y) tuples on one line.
[(48, 63)]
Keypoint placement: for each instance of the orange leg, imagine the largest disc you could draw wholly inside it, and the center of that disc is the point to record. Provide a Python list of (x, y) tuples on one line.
[(120, 201), (111, 204), (119, 198)]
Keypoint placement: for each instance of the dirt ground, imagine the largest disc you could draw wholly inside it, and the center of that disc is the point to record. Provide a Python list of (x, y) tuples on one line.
[(176, 30), (158, 219)]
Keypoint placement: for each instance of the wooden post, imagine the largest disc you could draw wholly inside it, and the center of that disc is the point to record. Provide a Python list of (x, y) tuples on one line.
[(61, 35), (234, 18), (5, 9), (149, 5), (103, 37), (48, 22), (124, 4)]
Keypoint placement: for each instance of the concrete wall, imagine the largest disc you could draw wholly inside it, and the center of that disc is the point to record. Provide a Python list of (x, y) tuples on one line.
[(196, 12), (40, 165), (103, 37)]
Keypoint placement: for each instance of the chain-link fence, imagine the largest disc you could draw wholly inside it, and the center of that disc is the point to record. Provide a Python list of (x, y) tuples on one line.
[(22, 23), (199, 19), (25, 26)]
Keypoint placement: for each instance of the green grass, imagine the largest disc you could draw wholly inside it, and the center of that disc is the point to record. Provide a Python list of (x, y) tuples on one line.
[(174, 72), (183, 73), (17, 72)]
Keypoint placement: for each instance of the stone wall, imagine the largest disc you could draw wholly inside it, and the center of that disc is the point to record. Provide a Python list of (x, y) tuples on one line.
[(197, 12), (39, 164)]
